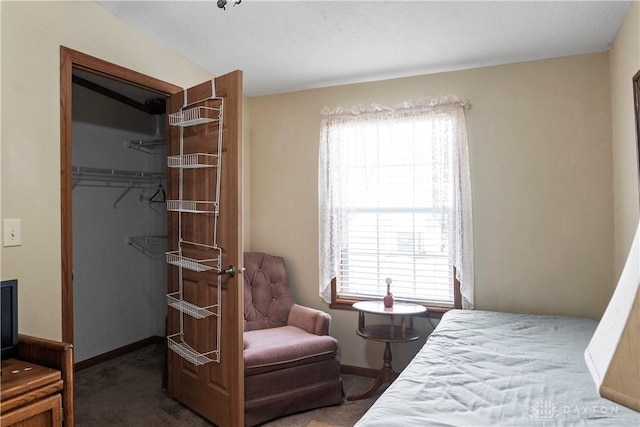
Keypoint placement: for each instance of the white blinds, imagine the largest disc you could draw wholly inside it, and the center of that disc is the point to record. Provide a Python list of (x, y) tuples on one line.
[(403, 244), (392, 179), (387, 199)]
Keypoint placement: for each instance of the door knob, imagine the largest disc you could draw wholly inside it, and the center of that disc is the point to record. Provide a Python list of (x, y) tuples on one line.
[(231, 271)]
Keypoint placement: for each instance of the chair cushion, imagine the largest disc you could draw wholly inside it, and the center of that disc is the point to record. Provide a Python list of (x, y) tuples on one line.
[(267, 297), (287, 346)]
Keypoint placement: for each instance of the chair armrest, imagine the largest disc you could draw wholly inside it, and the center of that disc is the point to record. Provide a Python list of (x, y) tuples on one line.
[(311, 320)]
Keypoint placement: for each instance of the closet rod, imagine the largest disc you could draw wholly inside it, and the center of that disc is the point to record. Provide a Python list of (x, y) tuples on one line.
[(81, 173), (114, 178)]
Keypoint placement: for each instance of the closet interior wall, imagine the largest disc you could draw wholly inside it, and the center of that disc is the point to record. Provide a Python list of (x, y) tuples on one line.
[(118, 289)]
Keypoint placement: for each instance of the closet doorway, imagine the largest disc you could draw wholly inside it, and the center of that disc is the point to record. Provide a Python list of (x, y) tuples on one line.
[(114, 280), (216, 389), (119, 217)]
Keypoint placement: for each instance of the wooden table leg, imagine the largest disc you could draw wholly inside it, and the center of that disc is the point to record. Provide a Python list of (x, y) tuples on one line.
[(386, 375)]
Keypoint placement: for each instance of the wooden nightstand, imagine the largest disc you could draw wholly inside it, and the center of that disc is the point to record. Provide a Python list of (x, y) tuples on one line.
[(30, 395), (390, 333)]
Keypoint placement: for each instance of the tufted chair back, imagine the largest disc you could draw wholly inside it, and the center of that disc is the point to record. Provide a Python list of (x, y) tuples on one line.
[(267, 297)]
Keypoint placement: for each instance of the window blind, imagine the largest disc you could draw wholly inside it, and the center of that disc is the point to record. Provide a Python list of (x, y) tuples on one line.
[(403, 245), (393, 175)]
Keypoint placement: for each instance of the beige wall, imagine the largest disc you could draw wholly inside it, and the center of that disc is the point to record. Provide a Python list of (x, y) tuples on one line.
[(540, 142), (32, 33), (624, 64), (541, 170)]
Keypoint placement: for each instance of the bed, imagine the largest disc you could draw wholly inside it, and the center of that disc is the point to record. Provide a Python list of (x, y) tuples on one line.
[(481, 368)]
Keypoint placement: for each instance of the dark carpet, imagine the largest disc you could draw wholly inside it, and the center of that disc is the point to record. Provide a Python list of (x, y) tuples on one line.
[(127, 391)]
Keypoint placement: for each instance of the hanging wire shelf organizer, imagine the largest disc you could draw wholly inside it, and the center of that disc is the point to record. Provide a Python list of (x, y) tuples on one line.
[(174, 300), (199, 265), (178, 345), (195, 116), (193, 206), (193, 161)]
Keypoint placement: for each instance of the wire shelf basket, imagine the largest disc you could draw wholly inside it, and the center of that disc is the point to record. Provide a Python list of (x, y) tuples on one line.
[(198, 265), (177, 345), (194, 116), (197, 312), (192, 206), (194, 160)]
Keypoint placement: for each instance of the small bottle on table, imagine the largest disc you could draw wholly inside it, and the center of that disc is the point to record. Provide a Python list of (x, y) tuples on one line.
[(388, 298)]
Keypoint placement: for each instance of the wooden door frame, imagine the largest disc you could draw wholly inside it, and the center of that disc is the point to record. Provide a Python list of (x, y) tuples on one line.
[(70, 59)]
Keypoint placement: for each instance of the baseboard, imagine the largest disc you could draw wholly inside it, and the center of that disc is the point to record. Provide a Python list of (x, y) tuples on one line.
[(358, 370), (118, 352)]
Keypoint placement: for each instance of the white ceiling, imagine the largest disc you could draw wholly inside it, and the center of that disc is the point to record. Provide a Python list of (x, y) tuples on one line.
[(283, 46)]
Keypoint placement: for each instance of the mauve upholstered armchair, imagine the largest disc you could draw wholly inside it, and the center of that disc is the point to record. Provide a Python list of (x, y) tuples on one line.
[(290, 361)]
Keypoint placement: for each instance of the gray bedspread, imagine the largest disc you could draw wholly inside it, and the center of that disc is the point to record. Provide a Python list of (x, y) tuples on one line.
[(483, 368)]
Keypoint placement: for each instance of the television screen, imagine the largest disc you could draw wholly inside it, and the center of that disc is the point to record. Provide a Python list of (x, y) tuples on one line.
[(9, 318)]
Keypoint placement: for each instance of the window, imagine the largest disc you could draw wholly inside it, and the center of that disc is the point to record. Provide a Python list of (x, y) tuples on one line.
[(389, 205)]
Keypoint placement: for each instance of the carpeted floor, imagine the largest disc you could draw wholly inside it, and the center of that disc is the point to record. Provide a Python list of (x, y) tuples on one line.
[(127, 391)]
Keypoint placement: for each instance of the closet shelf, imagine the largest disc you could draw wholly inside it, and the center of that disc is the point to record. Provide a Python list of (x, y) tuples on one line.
[(113, 177), (199, 265), (177, 345), (148, 145), (192, 206), (149, 245), (197, 312), (194, 160), (195, 116)]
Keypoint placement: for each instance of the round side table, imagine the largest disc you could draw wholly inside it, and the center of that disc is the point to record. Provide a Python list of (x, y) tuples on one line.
[(390, 333)]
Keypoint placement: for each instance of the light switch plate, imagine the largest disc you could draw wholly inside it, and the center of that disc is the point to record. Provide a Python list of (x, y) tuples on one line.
[(12, 235)]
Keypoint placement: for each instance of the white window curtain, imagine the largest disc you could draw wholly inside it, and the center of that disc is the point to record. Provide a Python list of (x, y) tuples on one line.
[(383, 127)]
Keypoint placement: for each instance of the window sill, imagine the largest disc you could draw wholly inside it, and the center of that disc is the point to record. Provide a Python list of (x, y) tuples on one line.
[(434, 312)]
